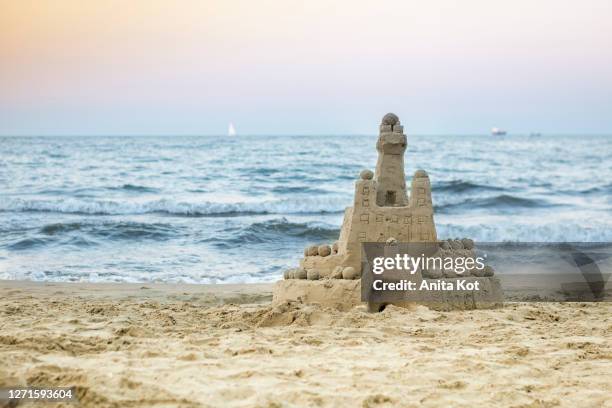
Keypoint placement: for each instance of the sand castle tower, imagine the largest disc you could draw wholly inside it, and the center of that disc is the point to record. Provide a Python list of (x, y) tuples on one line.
[(389, 176), (382, 208)]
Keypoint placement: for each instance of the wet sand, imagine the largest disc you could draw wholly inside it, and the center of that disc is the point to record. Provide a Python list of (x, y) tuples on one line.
[(127, 345)]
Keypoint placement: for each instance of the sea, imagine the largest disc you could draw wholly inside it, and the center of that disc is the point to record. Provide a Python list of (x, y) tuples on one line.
[(219, 209)]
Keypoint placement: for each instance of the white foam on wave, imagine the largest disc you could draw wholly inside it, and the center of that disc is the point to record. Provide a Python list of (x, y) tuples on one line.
[(109, 207), (522, 232)]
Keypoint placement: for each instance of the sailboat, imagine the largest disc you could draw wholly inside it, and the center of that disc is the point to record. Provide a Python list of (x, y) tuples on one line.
[(231, 130), (498, 132)]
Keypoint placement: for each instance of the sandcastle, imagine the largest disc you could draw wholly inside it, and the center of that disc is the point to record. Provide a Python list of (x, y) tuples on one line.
[(383, 212)]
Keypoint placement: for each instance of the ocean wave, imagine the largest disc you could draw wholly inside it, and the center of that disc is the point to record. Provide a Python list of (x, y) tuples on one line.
[(461, 186), (135, 188), (499, 202), (114, 230), (607, 189), (42, 241), (520, 232), (27, 243), (305, 205), (83, 234), (277, 230), (283, 189), (296, 205)]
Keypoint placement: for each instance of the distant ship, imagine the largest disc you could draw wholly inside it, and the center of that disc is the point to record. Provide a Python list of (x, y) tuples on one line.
[(231, 130), (498, 132)]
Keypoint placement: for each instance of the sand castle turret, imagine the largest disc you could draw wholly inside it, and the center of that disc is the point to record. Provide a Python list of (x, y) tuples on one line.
[(382, 208), (389, 176)]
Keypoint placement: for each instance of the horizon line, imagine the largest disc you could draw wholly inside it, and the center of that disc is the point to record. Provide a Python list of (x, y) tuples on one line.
[(456, 134)]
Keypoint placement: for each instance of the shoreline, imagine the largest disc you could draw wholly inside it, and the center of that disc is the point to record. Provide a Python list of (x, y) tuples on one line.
[(206, 294), (517, 288)]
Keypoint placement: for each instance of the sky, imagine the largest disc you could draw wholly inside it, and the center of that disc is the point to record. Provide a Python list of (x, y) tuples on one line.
[(74, 67)]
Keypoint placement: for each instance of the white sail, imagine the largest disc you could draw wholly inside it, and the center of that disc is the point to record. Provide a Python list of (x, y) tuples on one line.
[(497, 132), (231, 131)]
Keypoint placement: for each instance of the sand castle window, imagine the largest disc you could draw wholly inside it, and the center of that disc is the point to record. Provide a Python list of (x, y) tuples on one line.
[(395, 218), (366, 203), (362, 236), (421, 202), (365, 219), (390, 197), (407, 220), (379, 217), (421, 191), (366, 190)]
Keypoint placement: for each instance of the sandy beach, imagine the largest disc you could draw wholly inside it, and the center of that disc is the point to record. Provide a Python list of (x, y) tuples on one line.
[(127, 345)]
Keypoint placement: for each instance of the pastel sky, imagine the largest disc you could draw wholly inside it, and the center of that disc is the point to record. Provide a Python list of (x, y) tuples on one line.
[(96, 67)]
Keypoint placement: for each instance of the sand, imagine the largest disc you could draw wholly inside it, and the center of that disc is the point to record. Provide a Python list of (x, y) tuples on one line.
[(136, 345)]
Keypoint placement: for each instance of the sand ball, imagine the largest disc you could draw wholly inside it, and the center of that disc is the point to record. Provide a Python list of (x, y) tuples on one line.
[(450, 273), (478, 272), (445, 245), (335, 248), (312, 274), (456, 244), (337, 272), (288, 274), (349, 273), (366, 175), (324, 250), (390, 119), (461, 253), (442, 253), (300, 273), (306, 251), (468, 243), (313, 250), (489, 271)]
